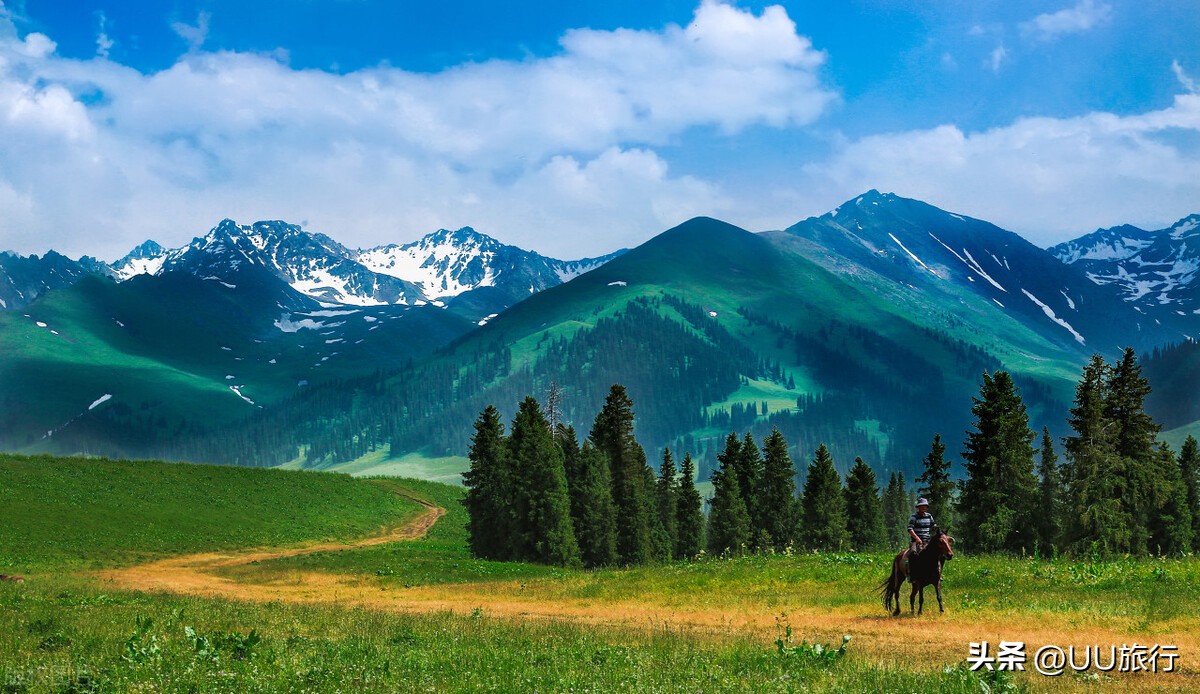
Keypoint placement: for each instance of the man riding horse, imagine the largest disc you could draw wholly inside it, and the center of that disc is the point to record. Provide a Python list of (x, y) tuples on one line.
[(920, 525)]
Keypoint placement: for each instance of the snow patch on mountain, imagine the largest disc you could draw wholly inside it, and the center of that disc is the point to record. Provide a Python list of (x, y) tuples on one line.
[(1051, 315)]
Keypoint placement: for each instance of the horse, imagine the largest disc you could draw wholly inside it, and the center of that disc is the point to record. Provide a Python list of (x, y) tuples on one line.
[(924, 569)]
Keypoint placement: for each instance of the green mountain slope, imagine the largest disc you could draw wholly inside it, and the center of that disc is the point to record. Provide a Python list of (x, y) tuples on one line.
[(713, 328)]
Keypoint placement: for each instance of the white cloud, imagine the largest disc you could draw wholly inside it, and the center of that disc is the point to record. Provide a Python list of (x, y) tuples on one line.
[(996, 58), (1047, 178), (1084, 16), (194, 34), (382, 154), (104, 43), (1185, 80)]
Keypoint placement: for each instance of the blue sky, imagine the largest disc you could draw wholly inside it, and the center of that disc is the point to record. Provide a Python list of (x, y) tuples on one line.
[(573, 128)]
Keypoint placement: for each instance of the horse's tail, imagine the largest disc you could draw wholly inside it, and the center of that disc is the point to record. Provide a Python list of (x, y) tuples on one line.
[(889, 590)]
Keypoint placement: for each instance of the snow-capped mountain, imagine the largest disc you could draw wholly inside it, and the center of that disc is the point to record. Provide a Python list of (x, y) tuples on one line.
[(23, 279), (446, 264), (1156, 271), (923, 248), (146, 259)]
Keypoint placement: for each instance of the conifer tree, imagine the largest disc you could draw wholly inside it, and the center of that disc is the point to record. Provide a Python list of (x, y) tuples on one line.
[(896, 510), (1134, 442), (1000, 489), (595, 518), (666, 493), (690, 512), (864, 509), (488, 499), (1050, 498), (823, 516), (935, 484), (1096, 516), (1171, 524), (728, 520), (749, 468), (546, 533), (1189, 470), (776, 496), (612, 434)]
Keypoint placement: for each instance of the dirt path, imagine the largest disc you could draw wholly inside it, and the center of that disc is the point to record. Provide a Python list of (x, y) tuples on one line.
[(942, 638)]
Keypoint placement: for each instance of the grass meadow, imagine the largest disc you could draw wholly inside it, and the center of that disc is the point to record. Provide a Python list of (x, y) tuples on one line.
[(422, 615)]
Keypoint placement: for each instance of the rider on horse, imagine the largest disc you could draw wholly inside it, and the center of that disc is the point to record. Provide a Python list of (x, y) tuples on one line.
[(920, 525)]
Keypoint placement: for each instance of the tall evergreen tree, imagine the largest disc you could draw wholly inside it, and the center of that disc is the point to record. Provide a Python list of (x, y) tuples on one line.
[(823, 515), (1096, 516), (546, 534), (1050, 498), (1000, 488), (612, 434), (935, 484), (896, 510), (728, 520), (492, 521), (1189, 470), (595, 517), (1134, 441), (1171, 524), (749, 469), (690, 512), (776, 496), (666, 493), (864, 510)]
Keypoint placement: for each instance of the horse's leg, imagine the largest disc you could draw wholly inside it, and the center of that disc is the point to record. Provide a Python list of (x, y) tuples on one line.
[(912, 599), (921, 601), (938, 587)]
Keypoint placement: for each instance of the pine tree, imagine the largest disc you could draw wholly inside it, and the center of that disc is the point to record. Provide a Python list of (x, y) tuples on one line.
[(612, 434), (690, 512), (492, 520), (1000, 488), (1171, 524), (1134, 440), (1189, 471), (896, 510), (776, 495), (595, 517), (936, 485), (546, 534), (749, 468), (728, 520), (864, 510), (1050, 498), (1097, 519), (823, 516), (666, 493)]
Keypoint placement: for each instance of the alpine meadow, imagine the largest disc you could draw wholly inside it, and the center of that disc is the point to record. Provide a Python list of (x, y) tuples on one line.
[(417, 347)]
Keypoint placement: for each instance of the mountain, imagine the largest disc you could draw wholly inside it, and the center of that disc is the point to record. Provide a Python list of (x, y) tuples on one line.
[(23, 279), (713, 328), (472, 271), (921, 248), (1155, 271)]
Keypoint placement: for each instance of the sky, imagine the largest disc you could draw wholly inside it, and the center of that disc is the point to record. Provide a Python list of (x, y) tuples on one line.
[(577, 128)]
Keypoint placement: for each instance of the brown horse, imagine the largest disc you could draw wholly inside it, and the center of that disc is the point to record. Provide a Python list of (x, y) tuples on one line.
[(924, 569)]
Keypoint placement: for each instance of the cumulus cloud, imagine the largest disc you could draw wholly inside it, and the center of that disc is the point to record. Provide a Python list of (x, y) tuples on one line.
[(562, 143), (1047, 178), (1084, 16)]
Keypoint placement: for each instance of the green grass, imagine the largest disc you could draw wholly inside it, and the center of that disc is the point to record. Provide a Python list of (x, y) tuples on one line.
[(447, 469), (78, 513)]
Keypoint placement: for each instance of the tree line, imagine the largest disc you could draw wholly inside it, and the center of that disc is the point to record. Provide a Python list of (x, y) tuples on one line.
[(538, 495)]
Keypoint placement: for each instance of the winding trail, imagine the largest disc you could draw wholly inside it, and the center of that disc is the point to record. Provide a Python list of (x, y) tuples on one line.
[(944, 638)]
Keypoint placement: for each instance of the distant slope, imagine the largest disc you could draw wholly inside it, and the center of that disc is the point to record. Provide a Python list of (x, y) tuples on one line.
[(1157, 272), (707, 323), (129, 369), (89, 513)]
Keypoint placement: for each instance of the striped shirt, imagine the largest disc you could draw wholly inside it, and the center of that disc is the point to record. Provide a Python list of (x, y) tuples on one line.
[(922, 525)]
